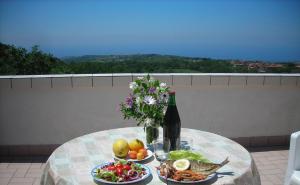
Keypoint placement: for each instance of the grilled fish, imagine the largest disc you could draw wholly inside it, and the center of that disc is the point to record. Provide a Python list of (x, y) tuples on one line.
[(203, 168)]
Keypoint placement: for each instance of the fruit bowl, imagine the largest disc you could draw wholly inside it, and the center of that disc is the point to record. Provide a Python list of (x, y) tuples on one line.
[(150, 154)]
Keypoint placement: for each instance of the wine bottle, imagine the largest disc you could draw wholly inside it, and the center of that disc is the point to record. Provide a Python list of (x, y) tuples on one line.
[(172, 124)]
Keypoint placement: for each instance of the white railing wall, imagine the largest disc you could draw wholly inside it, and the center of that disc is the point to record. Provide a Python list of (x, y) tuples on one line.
[(52, 109)]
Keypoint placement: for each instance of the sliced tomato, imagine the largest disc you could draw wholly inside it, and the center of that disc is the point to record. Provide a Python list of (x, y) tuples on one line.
[(126, 167), (111, 168), (119, 171), (119, 165)]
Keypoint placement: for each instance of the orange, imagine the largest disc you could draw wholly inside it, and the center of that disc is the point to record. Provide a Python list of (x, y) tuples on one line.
[(140, 156), (144, 151), (132, 154), (136, 144)]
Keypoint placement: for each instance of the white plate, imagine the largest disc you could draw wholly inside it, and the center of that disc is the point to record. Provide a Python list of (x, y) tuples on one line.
[(150, 154), (162, 178), (98, 180)]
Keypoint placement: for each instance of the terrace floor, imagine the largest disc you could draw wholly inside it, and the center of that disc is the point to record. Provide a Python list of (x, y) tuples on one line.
[(271, 164)]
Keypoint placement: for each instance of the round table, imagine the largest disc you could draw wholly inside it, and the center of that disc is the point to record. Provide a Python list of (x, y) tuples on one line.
[(72, 162)]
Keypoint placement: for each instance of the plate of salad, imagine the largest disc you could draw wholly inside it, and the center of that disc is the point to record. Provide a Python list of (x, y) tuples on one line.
[(120, 172)]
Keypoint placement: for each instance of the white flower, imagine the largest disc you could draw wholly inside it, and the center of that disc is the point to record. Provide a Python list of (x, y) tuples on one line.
[(138, 100), (148, 121), (164, 110), (163, 98), (151, 79), (140, 77), (149, 100), (133, 85), (163, 85)]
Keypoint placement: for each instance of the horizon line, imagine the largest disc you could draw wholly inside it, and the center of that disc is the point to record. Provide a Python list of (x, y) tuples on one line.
[(162, 54), (185, 56)]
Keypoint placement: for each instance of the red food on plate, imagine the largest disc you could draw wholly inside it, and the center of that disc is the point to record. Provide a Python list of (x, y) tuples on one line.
[(121, 171)]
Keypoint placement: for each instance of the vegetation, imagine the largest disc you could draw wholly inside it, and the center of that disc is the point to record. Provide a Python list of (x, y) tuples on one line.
[(19, 61)]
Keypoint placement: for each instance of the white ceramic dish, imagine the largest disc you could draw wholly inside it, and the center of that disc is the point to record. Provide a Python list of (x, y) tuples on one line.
[(150, 154), (98, 180), (162, 178)]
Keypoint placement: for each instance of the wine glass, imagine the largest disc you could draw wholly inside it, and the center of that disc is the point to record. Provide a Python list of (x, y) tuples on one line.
[(161, 149)]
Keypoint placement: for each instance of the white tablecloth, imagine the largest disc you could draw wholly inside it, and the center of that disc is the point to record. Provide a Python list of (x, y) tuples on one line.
[(73, 161)]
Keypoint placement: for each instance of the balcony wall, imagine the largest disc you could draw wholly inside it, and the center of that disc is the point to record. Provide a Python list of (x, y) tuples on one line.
[(52, 109)]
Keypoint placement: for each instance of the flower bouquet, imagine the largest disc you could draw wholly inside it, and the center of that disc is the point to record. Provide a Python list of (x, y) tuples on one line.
[(146, 104)]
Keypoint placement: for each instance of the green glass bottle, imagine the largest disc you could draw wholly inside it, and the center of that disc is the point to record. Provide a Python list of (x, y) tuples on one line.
[(172, 123)]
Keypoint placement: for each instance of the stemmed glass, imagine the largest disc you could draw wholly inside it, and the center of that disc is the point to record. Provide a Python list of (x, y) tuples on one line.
[(161, 149)]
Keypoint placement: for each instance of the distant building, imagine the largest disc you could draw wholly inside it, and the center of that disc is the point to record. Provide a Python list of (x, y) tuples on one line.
[(256, 65), (237, 63), (274, 66)]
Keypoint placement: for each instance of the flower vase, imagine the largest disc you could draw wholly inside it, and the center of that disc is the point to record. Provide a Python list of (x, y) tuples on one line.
[(152, 133)]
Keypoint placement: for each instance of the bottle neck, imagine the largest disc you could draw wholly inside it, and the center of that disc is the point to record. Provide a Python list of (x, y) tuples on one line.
[(171, 100)]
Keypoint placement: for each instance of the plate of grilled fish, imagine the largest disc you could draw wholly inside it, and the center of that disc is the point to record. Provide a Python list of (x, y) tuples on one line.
[(188, 171)]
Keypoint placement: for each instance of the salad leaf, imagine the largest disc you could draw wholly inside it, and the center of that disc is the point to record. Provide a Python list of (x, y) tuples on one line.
[(186, 154), (123, 161), (105, 174), (136, 167)]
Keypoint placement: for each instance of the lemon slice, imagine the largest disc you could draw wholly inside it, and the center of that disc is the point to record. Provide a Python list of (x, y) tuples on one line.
[(181, 164)]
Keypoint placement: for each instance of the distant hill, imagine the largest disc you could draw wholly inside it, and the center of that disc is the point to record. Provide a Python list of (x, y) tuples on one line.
[(144, 63), (116, 58), (172, 64), (16, 61)]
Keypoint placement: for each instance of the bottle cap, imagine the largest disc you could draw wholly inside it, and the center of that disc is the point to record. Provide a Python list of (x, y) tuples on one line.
[(171, 92)]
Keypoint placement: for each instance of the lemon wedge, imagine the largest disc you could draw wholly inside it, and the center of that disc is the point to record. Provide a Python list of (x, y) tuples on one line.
[(181, 164)]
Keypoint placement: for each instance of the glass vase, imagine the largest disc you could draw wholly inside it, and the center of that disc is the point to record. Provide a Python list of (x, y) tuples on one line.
[(152, 133)]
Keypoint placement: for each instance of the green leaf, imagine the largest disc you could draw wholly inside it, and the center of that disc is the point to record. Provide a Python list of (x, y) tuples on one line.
[(138, 82), (186, 154), (123, 161), (136, 91), (145, 86)]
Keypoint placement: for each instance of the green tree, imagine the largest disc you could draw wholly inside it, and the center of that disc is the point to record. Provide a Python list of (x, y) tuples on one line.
[(18, 61)]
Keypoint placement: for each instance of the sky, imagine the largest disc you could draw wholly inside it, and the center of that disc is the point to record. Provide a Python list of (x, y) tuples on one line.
[(226, 29)]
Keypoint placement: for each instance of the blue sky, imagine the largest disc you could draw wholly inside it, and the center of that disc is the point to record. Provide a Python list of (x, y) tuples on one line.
[(231, 29)]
